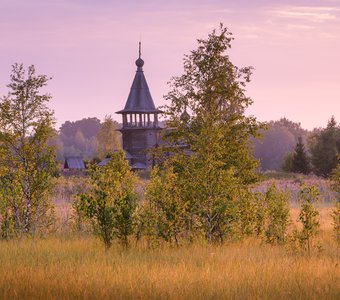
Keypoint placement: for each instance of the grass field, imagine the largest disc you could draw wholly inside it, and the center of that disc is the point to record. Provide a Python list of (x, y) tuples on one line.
[(80, 268)]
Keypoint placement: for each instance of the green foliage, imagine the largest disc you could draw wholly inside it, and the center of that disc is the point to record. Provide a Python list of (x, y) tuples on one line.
[(250, 214), (335, 179), (308, 216), (163, 195), (336, 211), (78, 138), (107, 137), (277, 215), (260, 213), (300, 161), (277, 143), (111, 202), (324, 147), (27, 162), (336, 221), (287, 163), (210, 136), (212, 89), (214, 197)]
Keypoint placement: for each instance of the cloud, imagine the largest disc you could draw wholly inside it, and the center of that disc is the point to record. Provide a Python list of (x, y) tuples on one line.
[(314, 14)]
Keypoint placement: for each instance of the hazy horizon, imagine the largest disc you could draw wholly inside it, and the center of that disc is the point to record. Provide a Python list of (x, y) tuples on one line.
[(90, 47)]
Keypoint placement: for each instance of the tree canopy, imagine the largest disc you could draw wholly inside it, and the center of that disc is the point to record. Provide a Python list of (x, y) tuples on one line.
[(325, 147), (209, 135), (26, 161)]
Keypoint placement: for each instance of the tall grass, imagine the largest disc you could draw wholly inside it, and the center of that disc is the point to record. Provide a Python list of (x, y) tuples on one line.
[(76, 268)]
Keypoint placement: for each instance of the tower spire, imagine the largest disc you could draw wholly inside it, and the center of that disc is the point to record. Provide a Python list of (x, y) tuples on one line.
[(139, 61), (140, 49)]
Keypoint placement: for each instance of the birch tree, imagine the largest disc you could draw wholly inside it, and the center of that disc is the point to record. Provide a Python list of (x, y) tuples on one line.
[(209, 128), (27, 163)]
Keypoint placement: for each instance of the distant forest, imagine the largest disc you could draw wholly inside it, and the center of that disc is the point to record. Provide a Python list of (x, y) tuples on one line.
[(80, 139)]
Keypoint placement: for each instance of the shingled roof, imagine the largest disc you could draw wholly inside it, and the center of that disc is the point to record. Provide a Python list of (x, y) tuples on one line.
[(128, 156), (139, 99), (75, 163)]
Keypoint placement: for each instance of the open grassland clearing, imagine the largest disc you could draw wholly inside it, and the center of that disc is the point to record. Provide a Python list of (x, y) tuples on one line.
[(79, 268)]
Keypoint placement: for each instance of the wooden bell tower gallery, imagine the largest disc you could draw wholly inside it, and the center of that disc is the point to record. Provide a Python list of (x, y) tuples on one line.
[(140, 130)]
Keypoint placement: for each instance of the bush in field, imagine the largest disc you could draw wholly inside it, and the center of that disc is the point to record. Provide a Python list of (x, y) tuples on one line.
[(336, 180), (111, 202), (277, 215), (249, 214), (336, 221), (260, 213), (163, 196), (308, 216), (336, 211)]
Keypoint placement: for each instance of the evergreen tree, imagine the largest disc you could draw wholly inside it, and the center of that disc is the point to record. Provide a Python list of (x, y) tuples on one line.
[(325, 148), (300, 162)]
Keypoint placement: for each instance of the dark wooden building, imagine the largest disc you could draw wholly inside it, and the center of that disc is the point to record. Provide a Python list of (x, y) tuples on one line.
[(140, 130), (74, 163)]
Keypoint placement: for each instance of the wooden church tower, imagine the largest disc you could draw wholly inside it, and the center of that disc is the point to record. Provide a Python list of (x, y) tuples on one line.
[(140, 130)]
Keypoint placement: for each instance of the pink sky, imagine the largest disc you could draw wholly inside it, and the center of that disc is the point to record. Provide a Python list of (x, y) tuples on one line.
[(89, 48)]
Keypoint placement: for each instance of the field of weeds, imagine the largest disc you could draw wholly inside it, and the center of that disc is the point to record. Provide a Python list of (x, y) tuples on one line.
[(80, 268), (68, 264)]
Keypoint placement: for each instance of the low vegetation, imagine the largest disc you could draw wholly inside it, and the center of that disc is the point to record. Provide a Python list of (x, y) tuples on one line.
[(80, 268)]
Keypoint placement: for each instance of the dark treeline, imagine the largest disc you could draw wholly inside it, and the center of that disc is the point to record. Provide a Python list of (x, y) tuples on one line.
[(84, 138), (274, 150), (88, 138), (278, 140)]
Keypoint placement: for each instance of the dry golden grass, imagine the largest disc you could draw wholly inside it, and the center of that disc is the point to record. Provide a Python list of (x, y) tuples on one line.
[(76, 268)]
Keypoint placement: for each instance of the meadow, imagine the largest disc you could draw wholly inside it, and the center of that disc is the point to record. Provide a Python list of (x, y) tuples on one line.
[(81, 269), (66, 266)]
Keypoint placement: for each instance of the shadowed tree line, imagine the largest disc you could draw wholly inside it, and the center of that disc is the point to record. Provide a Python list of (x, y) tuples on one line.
[(284, 145), (88, 138)]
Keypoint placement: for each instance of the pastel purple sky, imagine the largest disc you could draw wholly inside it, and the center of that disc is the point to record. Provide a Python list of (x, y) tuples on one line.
[(89, 48)]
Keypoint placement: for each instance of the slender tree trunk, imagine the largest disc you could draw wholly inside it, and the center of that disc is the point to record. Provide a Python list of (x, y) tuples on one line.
[(27, 193), (28, 206), (17, 218)]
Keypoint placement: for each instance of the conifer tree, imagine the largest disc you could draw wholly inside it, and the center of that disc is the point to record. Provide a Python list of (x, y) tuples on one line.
[(300, 162), (325, 148)]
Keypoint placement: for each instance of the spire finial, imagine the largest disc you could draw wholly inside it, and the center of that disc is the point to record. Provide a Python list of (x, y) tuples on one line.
[(140, 49), (139, 61)]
